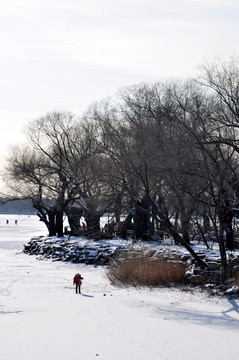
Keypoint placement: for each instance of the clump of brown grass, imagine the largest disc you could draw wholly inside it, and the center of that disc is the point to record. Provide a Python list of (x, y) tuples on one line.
[(145, 271)]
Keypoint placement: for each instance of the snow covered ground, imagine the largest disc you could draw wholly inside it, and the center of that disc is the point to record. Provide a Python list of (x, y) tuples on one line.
[(41, 317)]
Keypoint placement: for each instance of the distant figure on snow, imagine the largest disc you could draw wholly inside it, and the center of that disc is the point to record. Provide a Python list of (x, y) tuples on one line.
[(15, 222), (77, 280), (7, 221)]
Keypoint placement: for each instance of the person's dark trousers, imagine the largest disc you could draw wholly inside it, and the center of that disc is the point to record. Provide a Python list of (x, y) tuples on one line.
[(78, 288)]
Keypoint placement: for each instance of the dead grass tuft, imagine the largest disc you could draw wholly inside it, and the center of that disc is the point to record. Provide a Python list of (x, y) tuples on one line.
[(145, 271)]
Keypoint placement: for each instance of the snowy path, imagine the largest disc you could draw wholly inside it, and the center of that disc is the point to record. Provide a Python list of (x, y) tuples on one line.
[(41, 317)]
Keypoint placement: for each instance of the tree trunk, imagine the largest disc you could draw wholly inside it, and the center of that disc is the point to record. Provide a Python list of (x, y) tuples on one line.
[(177, 238), (52, 222), (229, 230), (74, 214), (93, 225), (185, 222), (118, 208), (206, 223), (142, 220), (59, 223), (176, 221), (226, 217), (225, 270), (185, 233), (48, 218)]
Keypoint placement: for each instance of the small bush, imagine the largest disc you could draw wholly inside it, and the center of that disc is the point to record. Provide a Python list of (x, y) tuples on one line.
[(145, 271)]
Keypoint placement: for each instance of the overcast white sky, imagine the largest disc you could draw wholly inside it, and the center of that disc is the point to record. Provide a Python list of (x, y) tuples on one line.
[(66, 54)]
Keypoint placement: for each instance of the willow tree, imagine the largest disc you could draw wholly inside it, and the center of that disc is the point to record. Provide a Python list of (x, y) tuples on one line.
[(136, 134), (60, 168), (39, 170)]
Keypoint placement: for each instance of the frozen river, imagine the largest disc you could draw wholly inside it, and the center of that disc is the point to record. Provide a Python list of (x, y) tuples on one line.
[(18, 229), (41, 317)]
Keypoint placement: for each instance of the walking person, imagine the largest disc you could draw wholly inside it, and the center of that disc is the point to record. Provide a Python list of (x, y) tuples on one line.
[(77, 280)]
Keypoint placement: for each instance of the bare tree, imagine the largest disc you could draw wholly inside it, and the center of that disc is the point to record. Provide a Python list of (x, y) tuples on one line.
[(40, 170), (214, 162), (61, 168), (136, 133)]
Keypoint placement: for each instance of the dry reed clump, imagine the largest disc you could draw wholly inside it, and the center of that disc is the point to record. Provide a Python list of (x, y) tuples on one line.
[(145, 271)]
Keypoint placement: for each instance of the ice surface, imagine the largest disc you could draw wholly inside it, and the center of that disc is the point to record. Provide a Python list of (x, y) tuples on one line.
[(41, 317), (26, 227)]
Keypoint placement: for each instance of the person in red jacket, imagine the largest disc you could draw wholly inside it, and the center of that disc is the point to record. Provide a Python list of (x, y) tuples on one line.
[(77, 280)]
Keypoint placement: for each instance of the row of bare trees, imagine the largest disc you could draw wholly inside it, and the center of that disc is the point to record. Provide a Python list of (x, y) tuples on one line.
[(165, 149)]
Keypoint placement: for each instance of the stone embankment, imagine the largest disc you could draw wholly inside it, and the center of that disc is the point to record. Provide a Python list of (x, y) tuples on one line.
[(106, 252), (87, 252)]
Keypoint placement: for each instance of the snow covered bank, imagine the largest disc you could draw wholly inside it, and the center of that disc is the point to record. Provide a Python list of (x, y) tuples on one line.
[(103, 252), (77, 250)]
